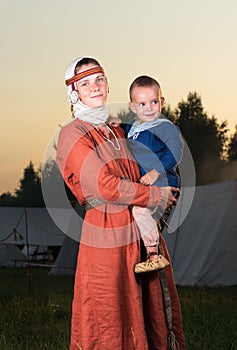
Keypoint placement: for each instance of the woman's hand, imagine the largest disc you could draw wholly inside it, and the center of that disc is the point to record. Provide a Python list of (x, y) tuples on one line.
[(168, 197)]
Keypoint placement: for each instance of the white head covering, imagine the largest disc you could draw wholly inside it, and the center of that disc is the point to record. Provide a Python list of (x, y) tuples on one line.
[(92, 115), (70, 72)]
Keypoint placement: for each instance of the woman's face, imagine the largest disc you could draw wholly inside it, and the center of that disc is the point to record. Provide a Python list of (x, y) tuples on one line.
[(93, 89)]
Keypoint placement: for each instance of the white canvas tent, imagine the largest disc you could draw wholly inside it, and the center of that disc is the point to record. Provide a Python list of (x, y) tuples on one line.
[(16, 222), (65, 263), (203, 248), (10, 255), (25, 226)]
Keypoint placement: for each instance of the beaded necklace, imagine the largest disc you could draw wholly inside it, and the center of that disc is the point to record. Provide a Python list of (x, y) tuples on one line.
[(115, 142)]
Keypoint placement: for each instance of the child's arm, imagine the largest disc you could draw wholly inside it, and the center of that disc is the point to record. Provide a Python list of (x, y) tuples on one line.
[(150, 177)]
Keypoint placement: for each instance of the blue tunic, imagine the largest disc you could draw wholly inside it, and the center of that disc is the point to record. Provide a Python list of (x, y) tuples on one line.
[(156, 145)]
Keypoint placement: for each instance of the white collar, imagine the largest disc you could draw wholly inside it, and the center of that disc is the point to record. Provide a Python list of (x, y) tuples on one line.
[(137, 126)]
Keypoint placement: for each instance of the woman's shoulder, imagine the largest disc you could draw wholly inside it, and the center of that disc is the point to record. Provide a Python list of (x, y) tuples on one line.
[(71, 137), (75, 127), (72, 132)]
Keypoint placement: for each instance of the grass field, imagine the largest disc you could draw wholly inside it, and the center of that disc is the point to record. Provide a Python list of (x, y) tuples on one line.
[(35, 313)]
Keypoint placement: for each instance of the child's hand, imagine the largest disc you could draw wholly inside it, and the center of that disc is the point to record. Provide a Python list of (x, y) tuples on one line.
[(113, 121), (150, 177)]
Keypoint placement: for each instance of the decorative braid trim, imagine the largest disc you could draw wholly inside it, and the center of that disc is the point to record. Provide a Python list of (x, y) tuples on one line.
[(84, 74)]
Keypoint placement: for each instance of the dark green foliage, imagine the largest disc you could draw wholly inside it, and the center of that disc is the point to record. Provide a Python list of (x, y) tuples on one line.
[(232, 148), (205, 138), (29, 192), (7, 199)]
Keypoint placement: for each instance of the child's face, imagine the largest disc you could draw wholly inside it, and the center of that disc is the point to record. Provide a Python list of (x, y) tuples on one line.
[(93, 89), (147, 102)]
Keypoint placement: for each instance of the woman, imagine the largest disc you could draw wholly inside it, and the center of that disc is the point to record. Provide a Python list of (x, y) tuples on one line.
[(112, 308)]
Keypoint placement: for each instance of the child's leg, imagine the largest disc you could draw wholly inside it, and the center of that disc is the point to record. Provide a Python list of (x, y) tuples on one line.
[(150, 235), (148, 230)]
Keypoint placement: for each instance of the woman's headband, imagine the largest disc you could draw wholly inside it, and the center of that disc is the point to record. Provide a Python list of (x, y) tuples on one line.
[(84, 74)]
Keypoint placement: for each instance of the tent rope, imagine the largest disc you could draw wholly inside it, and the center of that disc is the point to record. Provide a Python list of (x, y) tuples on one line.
[(43, 228), (16, 234)]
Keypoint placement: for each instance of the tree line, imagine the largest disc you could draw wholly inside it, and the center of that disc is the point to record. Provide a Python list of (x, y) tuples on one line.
[(213, 152)]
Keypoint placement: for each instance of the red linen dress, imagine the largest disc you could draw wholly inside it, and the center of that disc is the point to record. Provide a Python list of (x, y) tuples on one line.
[(112, 307)]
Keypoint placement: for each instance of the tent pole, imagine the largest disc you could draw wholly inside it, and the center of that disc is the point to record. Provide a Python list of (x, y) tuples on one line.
[(28, 274)]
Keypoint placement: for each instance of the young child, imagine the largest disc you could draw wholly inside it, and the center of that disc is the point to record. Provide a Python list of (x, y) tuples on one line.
[(157, 145)]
